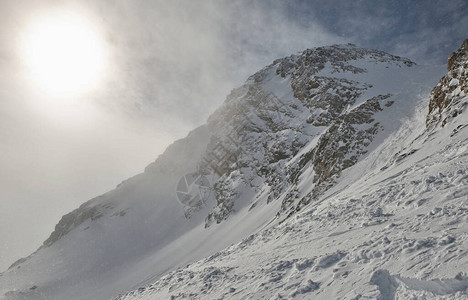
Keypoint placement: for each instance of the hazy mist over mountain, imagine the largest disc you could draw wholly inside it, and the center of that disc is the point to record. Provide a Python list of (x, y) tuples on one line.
[(166, 67)]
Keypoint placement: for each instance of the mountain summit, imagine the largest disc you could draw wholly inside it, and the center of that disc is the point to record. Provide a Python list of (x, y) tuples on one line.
[(317, 178)]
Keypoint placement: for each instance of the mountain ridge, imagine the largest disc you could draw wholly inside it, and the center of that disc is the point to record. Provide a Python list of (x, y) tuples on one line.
[(398, 232), (279, 143)]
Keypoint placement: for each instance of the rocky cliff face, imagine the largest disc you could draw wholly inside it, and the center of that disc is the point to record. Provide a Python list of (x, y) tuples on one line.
[(447, 97), (321, 100)]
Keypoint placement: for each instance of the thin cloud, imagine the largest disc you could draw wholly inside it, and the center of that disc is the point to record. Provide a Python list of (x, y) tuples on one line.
[(181, 59)]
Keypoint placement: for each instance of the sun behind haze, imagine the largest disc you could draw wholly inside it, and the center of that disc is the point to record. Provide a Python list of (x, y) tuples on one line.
[(63, 53)]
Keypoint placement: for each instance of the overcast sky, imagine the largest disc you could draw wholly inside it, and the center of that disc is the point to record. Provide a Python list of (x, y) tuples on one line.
[(170, 64)]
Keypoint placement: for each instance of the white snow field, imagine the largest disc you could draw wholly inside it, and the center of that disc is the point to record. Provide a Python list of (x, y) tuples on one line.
[(400, 233), (317, 179)]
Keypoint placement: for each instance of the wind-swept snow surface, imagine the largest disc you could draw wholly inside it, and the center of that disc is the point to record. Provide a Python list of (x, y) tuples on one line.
[(318, 175), (399, 233)]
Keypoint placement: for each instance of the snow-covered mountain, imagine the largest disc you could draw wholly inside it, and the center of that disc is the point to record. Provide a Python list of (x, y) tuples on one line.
[(322, 177)]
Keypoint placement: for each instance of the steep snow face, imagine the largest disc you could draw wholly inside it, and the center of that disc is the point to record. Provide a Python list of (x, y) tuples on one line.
[(392, 226), (295, 133), (96, 244), (397, 233)]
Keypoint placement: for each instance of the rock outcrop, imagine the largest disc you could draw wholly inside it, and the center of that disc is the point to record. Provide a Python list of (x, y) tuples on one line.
[(448, 97), (316, 97)]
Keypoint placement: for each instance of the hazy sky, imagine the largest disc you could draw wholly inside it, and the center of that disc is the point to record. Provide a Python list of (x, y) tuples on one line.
[(169, 65)]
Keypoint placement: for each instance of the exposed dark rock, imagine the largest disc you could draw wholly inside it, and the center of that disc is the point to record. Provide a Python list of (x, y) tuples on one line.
[(447, 98), (255, 121), (74, 219)]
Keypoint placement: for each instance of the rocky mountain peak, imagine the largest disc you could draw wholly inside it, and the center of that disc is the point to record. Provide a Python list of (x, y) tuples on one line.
[(338, 57), (447, 97), (312, 109)]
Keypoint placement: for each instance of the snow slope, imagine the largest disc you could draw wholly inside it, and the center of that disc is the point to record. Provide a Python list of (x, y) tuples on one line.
[(322, 159), (399, 233), (394, 226)]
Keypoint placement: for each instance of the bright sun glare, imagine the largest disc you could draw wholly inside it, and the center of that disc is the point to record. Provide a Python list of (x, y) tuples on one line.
[(64, 53)]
